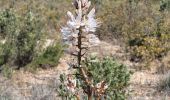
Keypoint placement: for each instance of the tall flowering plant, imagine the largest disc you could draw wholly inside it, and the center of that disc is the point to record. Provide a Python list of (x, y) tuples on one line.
[(78, 35), (97, 79)]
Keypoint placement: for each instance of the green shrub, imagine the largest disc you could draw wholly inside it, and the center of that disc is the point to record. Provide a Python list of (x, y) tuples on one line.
[(9, 29), (8, 23), (3, 55), (142, 27), (26, 42), (149, 48), (24, 39), (50, 57), (165, 4), (7, 71), (21, 36), (109, 70), (114, 74)]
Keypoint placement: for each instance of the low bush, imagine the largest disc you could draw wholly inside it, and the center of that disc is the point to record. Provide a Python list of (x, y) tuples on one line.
[(108, 70), (7, 71), (22, 41), (8, 32), (149, 48), (50, 57), (141, 26), (114, 74)]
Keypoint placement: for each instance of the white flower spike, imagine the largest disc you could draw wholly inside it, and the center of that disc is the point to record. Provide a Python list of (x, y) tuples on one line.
[(82, 19)]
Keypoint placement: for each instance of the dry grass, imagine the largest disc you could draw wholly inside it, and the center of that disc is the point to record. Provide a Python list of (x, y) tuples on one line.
[(41, 85)]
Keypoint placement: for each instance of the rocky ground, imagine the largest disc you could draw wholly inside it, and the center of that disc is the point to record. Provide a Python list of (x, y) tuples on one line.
[(43, 84)]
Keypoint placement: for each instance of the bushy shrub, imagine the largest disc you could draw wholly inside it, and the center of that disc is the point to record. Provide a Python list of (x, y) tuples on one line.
[(20, 35), (26, 42), (22, 40), (141, 26), (165, 4), (4, 54), (50, 57), (109, 70), (9, 30), (8, 23), (7, 71), (114, 74), (149, 48)]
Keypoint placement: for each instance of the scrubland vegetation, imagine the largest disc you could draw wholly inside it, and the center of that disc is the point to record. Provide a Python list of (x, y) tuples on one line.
[(31, 40)]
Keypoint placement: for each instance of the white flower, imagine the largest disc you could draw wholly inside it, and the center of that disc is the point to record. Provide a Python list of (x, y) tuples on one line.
[(69, 34), (87, 22), (91, 23), (74, 22)]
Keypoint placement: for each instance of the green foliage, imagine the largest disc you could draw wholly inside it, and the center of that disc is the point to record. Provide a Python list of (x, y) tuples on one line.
[(109, 70), (26, 41), (4, 54), (7, 71), (142, 27), (152, 42), (23, 32), (165, 4), (9, 31), (63, 91), (50, 57), (22, 41), (20, 35), (150, 48), (114, 74), (7, 23)]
